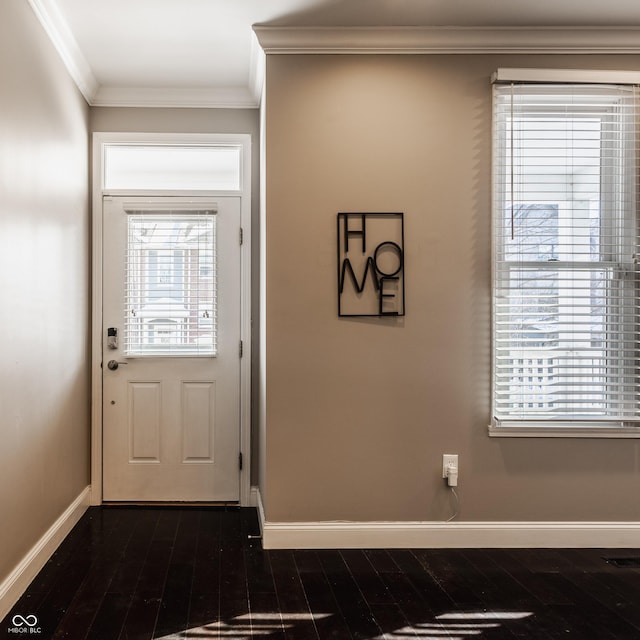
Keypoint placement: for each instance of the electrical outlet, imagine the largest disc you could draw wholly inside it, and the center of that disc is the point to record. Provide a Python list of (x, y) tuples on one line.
[(448, 459)]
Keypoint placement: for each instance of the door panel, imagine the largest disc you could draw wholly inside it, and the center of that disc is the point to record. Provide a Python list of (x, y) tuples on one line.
[(198, 411), (171, 374), (143, 421)]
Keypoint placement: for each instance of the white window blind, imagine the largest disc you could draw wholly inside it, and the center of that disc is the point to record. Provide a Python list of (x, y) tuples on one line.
[(565, 276), (170, 289)]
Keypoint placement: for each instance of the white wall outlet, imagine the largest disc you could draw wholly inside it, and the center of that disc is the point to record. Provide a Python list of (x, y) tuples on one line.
[(449, 459)]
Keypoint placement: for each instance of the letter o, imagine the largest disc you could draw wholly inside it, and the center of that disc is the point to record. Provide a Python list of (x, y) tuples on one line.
[(395, 247)]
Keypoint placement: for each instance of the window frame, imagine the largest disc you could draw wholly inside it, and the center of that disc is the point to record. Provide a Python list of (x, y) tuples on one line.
[(563, 427)]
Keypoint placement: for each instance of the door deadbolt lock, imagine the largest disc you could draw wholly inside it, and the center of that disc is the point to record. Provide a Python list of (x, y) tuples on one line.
[(112, 338), (112, 365)]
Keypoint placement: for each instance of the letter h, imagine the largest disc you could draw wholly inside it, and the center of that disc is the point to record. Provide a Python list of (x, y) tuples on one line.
[(355, 232)]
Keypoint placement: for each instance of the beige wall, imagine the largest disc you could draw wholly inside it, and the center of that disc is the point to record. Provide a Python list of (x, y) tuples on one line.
[(358, 412), (44, 267), (173, 120)]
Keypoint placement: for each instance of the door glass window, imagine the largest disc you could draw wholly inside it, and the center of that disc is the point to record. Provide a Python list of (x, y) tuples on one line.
[(170, 299)]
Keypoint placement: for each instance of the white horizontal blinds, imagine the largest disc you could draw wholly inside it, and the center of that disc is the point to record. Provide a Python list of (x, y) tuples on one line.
[(170, 292), (565, 313)]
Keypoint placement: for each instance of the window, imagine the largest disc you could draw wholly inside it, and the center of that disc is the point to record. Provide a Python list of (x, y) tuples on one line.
[(171, 293), (196, 167), (565, 238)]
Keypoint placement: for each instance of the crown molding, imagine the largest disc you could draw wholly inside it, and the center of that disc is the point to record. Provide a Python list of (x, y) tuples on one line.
[(96, 95), (57, 29), (257, 70), (448, 40), (332, 40)]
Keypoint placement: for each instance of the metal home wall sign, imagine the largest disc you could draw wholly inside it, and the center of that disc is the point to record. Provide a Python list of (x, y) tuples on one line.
[(371, 264)]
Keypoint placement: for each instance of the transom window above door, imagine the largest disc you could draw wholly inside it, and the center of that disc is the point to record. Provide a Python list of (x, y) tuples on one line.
[(162, 167)]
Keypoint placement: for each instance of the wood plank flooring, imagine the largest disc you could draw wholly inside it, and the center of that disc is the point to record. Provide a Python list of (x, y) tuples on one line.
[(137, 573)]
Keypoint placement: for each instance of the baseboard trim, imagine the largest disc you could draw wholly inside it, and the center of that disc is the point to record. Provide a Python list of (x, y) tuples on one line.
[(440, 535), (15, 584), (260, 509)]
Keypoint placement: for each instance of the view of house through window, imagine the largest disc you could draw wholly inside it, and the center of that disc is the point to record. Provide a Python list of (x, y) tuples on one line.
[(171, 283), (565, 320)]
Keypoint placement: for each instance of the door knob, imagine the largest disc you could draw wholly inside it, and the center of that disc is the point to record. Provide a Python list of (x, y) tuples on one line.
[(112, 365)]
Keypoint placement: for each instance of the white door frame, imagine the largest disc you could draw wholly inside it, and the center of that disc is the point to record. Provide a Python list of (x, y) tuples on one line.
[(101, 139)]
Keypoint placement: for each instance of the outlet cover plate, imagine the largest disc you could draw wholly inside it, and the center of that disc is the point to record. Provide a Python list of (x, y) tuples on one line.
[(447, 459)]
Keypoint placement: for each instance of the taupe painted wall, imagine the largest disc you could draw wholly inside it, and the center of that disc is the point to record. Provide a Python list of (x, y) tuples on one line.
[(44, 285), (161, 120), (173, 120), (358, 412)]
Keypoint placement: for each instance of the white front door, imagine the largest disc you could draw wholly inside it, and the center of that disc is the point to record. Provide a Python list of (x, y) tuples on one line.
[(171, 349)]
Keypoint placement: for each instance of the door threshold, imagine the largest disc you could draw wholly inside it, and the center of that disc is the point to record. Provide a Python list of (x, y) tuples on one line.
[(177, 503)]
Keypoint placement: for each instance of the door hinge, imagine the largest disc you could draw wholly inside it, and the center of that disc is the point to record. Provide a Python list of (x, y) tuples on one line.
[(241, 235), (241, 348), (240, 460)]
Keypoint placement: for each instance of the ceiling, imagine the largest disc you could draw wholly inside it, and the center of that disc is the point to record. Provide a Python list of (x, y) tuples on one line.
[(205, 52)]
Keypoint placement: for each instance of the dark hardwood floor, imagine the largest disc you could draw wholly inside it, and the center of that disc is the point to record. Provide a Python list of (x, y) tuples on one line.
[(141, 573)]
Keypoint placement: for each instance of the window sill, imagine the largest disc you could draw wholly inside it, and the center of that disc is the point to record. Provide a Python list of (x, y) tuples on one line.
[(562, 431)]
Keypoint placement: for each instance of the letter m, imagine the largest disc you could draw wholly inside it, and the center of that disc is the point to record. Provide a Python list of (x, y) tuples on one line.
[(359, 286)]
